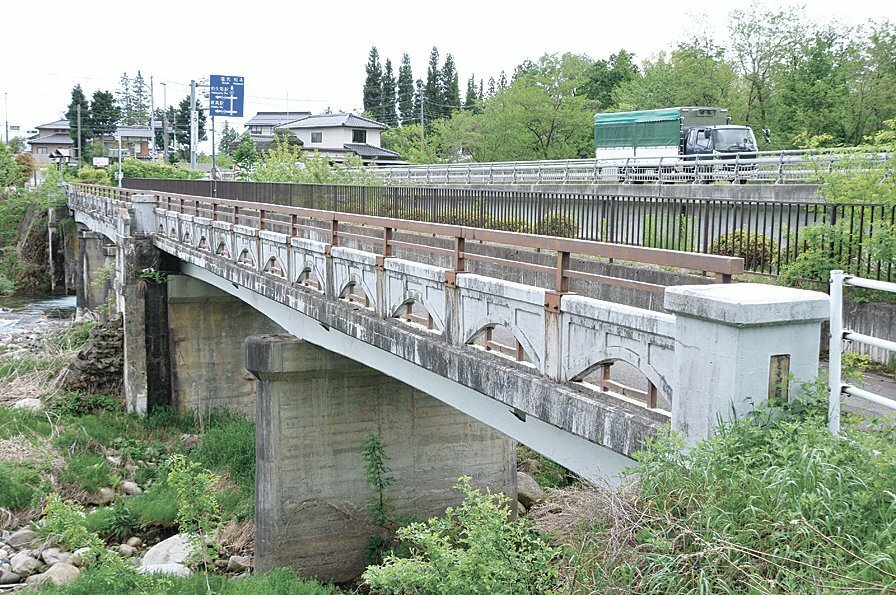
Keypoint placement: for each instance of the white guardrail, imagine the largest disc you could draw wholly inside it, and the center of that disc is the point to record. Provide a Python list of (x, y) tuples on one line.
[(778, 167), (835, 353)]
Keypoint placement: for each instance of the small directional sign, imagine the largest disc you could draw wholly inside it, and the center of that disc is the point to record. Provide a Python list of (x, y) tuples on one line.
[(226, 95)]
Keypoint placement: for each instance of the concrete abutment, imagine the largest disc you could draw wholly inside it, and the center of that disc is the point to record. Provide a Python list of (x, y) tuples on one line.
[(314, 409)]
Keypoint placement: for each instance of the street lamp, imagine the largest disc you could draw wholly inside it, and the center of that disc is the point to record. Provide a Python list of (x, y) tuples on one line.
[(119, 159)]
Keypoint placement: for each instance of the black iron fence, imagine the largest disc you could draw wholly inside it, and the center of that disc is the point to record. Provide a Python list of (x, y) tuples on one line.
[(802, 240)]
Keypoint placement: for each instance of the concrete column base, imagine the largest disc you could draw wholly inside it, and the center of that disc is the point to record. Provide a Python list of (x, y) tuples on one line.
[(314, 410)]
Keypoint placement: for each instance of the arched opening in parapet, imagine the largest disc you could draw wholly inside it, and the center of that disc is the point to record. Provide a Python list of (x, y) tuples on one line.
[(246, 259), (499, 339), (416, 313), (309, 278), (161, 229), (187, 239), (173, 233), (203, 244), (621, 378), (275, 267), (353, 292), (223, 250)]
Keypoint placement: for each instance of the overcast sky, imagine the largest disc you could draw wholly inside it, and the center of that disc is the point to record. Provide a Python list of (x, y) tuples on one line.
[(314, 52)]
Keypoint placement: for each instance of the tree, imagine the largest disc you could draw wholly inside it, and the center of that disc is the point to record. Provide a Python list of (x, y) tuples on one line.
[(182, 124), (246, 154), (470, 96), (104, 114), (605, 76), (406, 92), (492, 87), (139, 101), (71, 114), (540, 116), (432, 93), (450, 87), (389, 112), (228, 137), (12, 173), (125, 101), (17, 144), (373, 84), (172, 127)]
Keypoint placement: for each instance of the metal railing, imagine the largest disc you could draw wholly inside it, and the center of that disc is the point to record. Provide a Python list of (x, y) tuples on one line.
[(775, 167), (769, 235), (460, 245), (839, 279)]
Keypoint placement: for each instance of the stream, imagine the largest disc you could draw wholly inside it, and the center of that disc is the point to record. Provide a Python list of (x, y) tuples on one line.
[(25, 321)]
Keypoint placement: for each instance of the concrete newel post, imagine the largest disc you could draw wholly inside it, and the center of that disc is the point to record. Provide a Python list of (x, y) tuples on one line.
[(735, 345), (144, 214)]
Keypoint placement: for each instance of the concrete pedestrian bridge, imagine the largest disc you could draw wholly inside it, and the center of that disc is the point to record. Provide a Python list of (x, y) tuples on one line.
[(450, 343)]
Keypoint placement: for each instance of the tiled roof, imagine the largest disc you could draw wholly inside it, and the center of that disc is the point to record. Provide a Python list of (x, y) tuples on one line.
[(53, 139), (369, 150), (58, 125), (333, 120), (275, 118)]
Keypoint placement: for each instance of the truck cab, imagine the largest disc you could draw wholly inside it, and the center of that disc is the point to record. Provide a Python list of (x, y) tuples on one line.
[(717, 139)]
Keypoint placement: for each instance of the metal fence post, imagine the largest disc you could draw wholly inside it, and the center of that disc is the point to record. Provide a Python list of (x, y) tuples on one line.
[(835, 352)]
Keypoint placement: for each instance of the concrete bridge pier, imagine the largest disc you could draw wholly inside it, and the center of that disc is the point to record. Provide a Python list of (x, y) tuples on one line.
[(314, 410), (96, 258)]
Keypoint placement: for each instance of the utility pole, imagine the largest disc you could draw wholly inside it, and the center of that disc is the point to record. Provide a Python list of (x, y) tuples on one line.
[(194, 125), (214, 177), (6, 115), (152, 120), (164, 120), (422, 125), (79, 135)]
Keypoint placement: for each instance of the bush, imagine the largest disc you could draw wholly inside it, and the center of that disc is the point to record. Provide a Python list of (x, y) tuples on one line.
[(89, 470), (18, 485), (156, 506), (474, 548), (557, 224), (760, 253), (772, 503), (77, 404), (228, 444), (136, 168)]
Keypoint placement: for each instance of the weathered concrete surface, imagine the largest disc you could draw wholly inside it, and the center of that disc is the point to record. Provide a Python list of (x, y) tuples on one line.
[(96, 276), (314, 410), (727, 337), (207, 329)]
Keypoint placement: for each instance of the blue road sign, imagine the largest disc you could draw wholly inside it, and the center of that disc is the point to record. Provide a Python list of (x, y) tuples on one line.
[(226, 94)]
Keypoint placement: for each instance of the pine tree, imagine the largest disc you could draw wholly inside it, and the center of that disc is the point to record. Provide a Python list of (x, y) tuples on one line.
[(481, 95), (406, 92), (71, 114), (492, 87), (418, 101), (389, 112), (228, 137), (450, 86), (139, 100), (433, 92), (124, 99), (502, 81), (104, 114), (373, 84), (470, 97), (182, 123)]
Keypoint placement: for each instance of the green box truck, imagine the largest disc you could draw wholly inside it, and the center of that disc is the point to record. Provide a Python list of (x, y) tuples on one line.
[(672, 137)]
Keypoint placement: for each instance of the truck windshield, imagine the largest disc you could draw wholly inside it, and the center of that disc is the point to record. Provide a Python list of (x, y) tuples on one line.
[(734, 139)]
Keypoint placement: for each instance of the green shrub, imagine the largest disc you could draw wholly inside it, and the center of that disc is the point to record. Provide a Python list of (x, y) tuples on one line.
[(19, 483), (760, 253), (546, 472), (156, 506), (89, 470), (560, 225), (136, 168), (473, 548), (228, 445), (668, 233), (76, 404), (773, 503)]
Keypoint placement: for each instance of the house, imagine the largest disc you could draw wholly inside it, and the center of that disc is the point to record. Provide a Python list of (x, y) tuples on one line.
[(136, 140), (336, 135), (52, 139), (261, 126)]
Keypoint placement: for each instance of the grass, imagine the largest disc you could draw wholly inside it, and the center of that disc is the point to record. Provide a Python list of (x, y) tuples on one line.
[(89, 470), (20, 483), (281, 581), (20, 423), (770, 504), (543, 470)]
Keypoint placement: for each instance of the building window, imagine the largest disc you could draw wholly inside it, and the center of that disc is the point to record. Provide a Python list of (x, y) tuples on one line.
[(43, 151), (359, 136), (254, 129), (317, 137)]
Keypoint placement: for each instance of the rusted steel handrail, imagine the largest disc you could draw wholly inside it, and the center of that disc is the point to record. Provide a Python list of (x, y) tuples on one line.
[(266, 215)]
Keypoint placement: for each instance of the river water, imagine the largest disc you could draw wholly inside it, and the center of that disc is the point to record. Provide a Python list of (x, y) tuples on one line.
[(26, 320)]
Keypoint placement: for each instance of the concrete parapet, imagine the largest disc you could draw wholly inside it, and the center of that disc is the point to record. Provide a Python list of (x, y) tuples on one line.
[(314, 410), (735, 347)]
